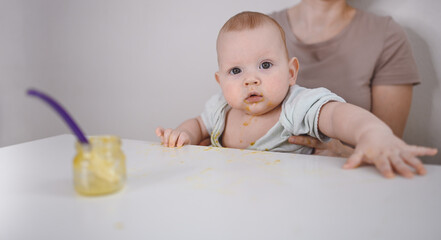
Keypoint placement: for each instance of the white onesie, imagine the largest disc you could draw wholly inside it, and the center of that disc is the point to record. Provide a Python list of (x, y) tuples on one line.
[(299, 116)]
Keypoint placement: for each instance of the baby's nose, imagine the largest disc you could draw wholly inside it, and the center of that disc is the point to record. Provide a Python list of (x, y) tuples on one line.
[(251, 81)]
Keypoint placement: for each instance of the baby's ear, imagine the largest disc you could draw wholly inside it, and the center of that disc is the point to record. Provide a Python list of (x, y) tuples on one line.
[(216, 75), (293, 70)]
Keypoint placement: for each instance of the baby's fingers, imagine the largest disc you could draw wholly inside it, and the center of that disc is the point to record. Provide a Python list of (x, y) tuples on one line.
[(400, 166), (183, 140), (160, 133), (423, 151), (383, 165), (414, 162), (354, 160), (172, 141), (167, 133)]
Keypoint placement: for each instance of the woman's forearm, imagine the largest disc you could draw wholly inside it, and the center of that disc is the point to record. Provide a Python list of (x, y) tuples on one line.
[(391, 104)]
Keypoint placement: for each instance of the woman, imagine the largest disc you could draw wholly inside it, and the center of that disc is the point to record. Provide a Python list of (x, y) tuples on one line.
[(362, 57)]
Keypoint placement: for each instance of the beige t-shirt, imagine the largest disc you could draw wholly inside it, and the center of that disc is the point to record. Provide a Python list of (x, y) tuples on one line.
[(371, 50)]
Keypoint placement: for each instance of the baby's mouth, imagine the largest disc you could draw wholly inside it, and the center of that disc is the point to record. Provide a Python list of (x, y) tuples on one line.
[(254, 97)]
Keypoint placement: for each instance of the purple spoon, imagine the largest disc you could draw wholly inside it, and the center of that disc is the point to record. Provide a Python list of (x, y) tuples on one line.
[(63, 113)]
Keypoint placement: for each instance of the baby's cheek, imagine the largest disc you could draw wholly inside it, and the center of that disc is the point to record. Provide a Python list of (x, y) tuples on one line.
[(233, 101), (277, 93), (231, 95)]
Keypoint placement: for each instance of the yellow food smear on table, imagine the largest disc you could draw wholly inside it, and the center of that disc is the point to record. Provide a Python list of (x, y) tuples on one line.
[(273, 163), (206, 170)]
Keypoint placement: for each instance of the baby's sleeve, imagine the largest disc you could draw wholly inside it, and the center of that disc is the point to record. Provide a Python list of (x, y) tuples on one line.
[(212, 110), (302, 108)]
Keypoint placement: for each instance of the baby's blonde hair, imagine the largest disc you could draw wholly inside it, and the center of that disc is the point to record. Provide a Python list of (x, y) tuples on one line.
[(251, 20)]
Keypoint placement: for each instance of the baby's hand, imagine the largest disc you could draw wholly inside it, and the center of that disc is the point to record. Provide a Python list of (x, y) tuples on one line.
[(173, 137), (389, 153)]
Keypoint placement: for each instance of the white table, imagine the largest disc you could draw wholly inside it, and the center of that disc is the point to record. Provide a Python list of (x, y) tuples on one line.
[(212, 193)]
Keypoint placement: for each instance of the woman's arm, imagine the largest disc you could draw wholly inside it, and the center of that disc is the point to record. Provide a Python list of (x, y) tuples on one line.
[(391, 104)]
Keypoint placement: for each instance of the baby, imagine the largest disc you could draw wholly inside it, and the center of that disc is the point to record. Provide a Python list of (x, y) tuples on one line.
[(260, 106)]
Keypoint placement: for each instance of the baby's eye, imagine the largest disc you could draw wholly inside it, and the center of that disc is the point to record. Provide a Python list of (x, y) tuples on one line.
[(235, 71), (265, 65)]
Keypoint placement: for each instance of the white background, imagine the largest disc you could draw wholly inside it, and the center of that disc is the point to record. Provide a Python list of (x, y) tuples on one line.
[(125, 67)]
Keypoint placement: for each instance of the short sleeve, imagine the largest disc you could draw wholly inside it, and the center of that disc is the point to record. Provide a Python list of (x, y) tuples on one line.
[(212, 110), (396, 64), (300, 113)]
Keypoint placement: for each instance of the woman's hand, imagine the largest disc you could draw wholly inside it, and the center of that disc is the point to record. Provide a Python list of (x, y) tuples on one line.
[(333, 148)]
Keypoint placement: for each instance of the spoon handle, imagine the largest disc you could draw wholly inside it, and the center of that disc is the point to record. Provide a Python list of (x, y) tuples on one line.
[(62, 112)]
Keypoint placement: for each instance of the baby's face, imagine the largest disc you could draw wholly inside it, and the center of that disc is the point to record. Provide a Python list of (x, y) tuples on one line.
[(254, 71)]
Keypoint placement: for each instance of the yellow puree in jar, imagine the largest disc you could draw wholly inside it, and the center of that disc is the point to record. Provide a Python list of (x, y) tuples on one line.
[(101, 169)]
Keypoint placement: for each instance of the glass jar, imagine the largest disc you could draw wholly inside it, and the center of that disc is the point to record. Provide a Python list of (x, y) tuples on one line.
[(99, 168)]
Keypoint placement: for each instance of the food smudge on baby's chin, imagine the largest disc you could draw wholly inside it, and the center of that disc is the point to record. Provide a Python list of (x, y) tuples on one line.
[(247, 107)]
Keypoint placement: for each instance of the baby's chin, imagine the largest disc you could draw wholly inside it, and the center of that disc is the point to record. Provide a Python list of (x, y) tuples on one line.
[(258, 109)]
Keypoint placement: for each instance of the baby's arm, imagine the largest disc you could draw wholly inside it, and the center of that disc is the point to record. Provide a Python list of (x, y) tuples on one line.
[(191, 131), (375, 143)]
